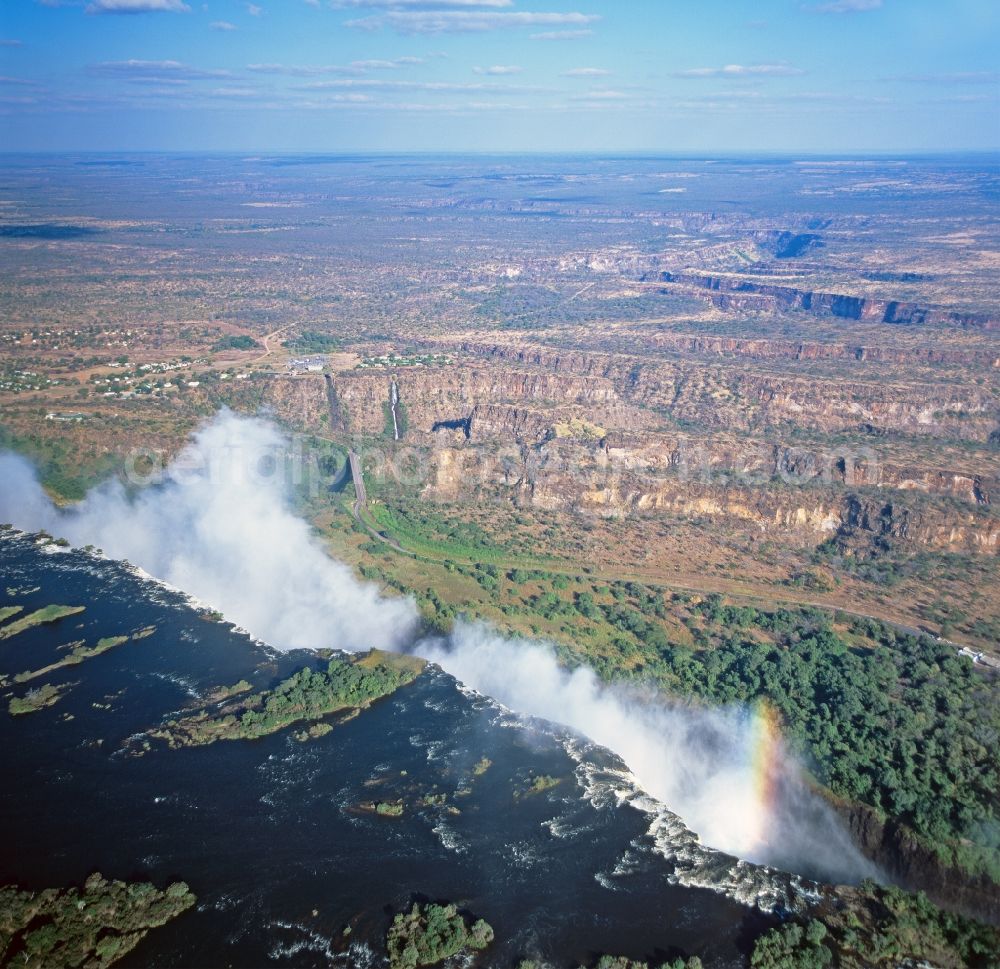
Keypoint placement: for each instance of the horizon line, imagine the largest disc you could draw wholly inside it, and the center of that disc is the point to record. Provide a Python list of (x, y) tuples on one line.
[(578, 152)]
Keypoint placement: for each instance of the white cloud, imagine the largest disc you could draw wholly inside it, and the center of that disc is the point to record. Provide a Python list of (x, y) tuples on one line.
[(418, 4), (498, 69), (601, 95), (446, 87), (355, 67), (254, 10), (562, 35), (137, 6), (169, 71), (848, 6), (587, 72), (223, 25), (18, 99), (151, 80), (464, 22), (958, 77), (386, 65), (234, 92), (293, 70), (741, 70), (968, 99)]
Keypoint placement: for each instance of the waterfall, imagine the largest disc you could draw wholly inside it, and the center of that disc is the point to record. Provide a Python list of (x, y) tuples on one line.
[(394, 400)]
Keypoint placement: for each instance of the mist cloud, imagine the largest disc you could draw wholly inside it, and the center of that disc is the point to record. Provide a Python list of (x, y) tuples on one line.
[(740, 792), (219, 527)]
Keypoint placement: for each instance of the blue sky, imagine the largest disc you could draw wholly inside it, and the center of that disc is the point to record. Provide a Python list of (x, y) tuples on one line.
[(827, 76)]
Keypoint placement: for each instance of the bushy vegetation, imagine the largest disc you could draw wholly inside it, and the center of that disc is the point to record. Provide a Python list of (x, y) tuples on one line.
[(620, 962), (533, 307), (307, 694), (38, 617), (225, 692), (314, 732), (78, 654), (421, 528), (538, 784), (891, 720), (792, 946), (64, 468), (901, 723), (241, 342), (93, 928), (33, 700), (313, 341), (894, 565), (875, 927), (888, 926), (895, 721), (430, 934)]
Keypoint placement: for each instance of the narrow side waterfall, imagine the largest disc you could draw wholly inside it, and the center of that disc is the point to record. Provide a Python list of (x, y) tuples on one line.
[(393, 401)]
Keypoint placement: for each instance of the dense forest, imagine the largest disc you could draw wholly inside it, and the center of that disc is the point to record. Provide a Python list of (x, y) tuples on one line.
[(901, 723), (876, 927)]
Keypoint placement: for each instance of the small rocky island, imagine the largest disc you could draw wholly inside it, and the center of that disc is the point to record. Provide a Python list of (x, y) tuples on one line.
[(92, 927), (429, 934), (346, 686)]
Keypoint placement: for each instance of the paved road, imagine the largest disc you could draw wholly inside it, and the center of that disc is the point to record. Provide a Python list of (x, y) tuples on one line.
[(361, 502), (361, 496)]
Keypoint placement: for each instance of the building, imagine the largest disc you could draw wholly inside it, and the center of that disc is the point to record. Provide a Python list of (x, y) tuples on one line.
[(307, 364)]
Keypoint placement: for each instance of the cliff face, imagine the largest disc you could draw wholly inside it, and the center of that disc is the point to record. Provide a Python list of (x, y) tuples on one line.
[(801, 350), (764, 462), (489, 402), (896, 850), (300, 402), (726, 291), (565, 475), (731, 398), (716, 397), (569, 439)]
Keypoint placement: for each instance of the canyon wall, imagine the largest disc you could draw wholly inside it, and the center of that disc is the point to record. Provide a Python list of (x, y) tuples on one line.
[(723, 397), (566, 476), (727, 291), (593, 432)]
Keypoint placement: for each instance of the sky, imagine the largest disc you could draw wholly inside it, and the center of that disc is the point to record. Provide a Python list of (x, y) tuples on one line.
[(823, 76)]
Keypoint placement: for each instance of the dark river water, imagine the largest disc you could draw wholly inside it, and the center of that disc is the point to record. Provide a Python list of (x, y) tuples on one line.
[(269, 835)]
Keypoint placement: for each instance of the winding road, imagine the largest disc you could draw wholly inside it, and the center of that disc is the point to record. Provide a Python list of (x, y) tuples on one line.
[(360, 495), (361, 502)]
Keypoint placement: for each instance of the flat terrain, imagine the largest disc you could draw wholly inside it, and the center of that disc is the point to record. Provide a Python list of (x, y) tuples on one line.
[(777, 380)]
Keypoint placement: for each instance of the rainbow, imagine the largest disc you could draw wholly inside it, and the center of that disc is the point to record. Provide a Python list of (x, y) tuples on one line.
[(766, 754)]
